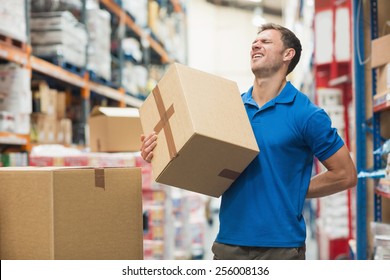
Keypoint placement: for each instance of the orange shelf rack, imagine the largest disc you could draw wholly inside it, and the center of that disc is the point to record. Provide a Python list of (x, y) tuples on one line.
[(383, 188), (117, 10), (381, 102), (8, 138), (14, 54), (24, 58), (13, 139)]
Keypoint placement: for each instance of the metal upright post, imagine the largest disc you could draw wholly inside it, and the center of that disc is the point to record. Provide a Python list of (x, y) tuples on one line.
[(376, 115), (361, 145), (85, 91), (27, 16)]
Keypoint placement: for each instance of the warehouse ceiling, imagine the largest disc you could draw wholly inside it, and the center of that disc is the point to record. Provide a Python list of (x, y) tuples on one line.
[(271, 7)]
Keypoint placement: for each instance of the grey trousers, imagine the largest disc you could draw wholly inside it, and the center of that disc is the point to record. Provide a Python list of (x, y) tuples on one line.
[(232, 252)]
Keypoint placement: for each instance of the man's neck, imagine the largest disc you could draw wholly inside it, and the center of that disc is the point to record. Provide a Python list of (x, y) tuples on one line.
[(265, 89)]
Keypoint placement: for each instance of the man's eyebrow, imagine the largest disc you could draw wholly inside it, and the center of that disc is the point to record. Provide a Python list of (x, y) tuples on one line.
[(262, 40)]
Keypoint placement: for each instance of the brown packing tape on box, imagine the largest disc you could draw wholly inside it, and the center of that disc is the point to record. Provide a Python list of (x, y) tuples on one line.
[(229, 174), (163, 124), (99, 178)]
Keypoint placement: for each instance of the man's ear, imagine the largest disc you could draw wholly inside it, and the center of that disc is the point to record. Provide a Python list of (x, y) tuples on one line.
[(288, 54)]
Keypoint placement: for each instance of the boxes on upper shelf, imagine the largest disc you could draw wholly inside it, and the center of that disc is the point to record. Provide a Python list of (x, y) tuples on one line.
[(329, 97), (380, 53), (15, 91), (48, 101), (7, 122), (99, 45), (205, 139), (383, 79), (59, 35), (13, 19), (71, 213)]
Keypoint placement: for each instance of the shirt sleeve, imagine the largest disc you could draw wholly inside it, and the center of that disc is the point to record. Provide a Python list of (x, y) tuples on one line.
[(322, 138)]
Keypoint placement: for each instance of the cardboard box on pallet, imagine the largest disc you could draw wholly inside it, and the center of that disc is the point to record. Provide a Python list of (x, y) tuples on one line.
[(114, 129), (43, 128), (380, 59), (70, 213), (383, 79), (380, 54), (205, 139)]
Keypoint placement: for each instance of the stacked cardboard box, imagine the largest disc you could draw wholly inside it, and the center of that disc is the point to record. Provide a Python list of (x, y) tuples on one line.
[(70, 213), (174, 219), (15, 98), (381, 234), (381, 61), (197, 224), (59, 35), (331, 100), (135, 78), (7, 122), (63, 158), (13, 19), (138, 10), (99, 44), (49, 122), (114, 129), (155, 199)]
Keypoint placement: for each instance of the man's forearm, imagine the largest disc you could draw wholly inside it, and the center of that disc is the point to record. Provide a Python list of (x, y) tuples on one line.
[(327, 183)]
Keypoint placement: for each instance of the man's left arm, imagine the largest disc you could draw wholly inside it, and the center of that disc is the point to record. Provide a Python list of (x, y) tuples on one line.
[(340, 175)]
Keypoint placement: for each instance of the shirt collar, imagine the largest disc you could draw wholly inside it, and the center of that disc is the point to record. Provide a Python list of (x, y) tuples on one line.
[(287, 95)]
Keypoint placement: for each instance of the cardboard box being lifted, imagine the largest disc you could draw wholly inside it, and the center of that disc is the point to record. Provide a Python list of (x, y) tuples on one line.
[(63, 213), (114, 129), (205, 139)]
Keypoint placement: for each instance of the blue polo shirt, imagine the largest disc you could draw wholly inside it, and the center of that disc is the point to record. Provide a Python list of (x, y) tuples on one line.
[(263, 207)]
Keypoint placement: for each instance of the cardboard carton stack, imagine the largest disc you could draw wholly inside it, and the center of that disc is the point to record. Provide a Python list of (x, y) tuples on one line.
[(99, 44), (174, 225), (13, 19), (49, 122), (331, 100), (381, 235), (175, 220), (114, 129), (15, 98), (380, 59), (156, 207), (57, 155), (59, 35), (70, 214), (180, 217)]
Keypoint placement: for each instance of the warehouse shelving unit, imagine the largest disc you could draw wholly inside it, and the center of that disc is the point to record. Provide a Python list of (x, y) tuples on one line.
[(364, 127), (24, 58), (117, 10), (14, 139), (333, 73), (11, 143), (22, 55)]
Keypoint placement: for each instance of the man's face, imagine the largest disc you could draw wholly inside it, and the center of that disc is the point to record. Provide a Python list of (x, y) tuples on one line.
[(267, 53)]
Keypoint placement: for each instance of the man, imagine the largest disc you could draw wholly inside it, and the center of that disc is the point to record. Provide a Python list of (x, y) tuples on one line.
[(261, 213)]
